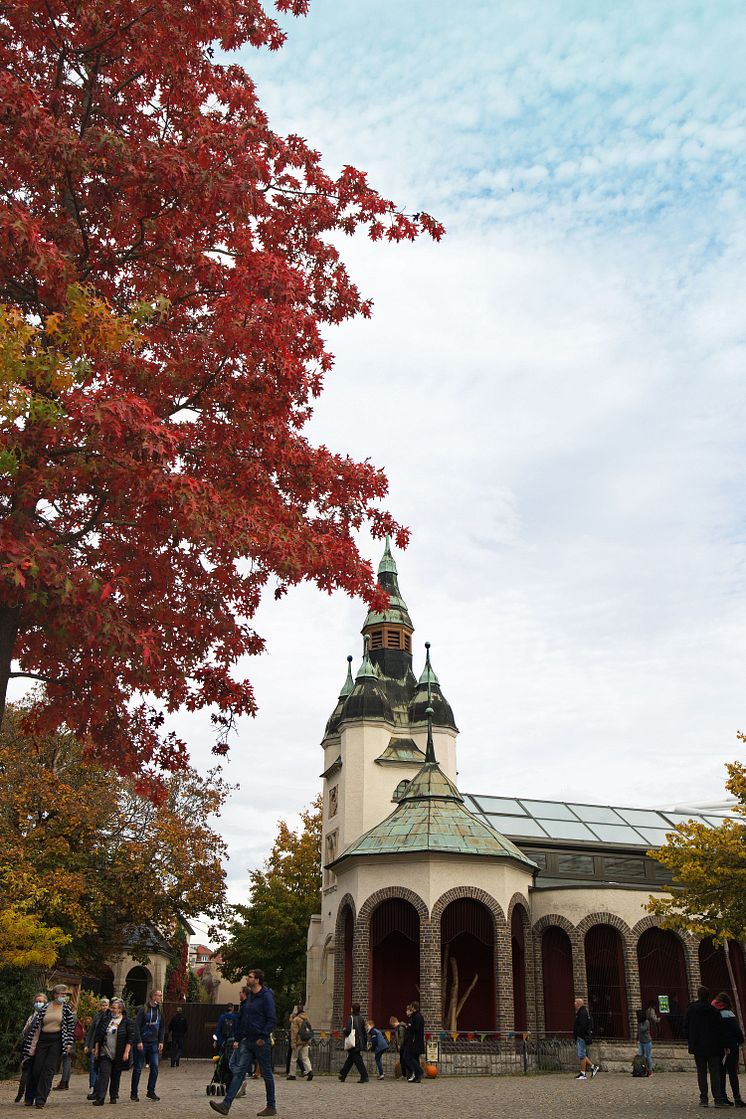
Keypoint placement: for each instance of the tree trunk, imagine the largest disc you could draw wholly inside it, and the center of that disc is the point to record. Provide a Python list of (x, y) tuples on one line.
[(9, 619)]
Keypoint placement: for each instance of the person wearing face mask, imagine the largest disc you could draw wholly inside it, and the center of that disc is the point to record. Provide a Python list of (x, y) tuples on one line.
[(56, 1037), (31, 1031), (116, 1039)]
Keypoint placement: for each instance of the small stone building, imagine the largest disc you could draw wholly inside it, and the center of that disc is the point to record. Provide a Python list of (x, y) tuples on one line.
[(492, 911)]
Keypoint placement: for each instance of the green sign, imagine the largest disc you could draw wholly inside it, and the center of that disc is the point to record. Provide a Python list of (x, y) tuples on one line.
[(663, 1004)]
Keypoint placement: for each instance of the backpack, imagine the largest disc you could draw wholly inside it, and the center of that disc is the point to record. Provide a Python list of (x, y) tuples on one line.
[(305, 1032), (639, 1065)]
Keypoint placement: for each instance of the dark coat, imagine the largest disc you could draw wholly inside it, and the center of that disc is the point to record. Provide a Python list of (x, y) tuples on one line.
[(127, 1034), (583, 1026), (355, 1021), (178, 1026), (67, 1028), (732, 1032), (704, 1030), (414, 1041), (257, 1016)]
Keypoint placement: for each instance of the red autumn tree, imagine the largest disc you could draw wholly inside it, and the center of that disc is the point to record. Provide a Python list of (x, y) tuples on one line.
[(167, 266)]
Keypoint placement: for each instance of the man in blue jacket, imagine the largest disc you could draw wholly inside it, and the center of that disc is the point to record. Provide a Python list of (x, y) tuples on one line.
[(256, 1021)]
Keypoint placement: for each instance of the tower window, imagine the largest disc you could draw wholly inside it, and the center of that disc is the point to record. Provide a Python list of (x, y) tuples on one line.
[(376, 639), (400, 790), (333, 800), (407, 643), (393, 639)]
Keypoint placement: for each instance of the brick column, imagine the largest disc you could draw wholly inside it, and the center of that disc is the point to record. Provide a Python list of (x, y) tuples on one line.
[(430, 973)]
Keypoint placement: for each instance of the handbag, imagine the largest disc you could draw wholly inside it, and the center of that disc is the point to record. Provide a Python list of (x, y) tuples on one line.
[(351, 1039)]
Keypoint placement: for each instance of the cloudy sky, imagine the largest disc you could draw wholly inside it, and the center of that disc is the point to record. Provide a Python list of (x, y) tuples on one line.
[(556, 392)]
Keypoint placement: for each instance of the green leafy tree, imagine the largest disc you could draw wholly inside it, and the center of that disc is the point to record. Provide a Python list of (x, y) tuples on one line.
[(708, 893), (270, 932)]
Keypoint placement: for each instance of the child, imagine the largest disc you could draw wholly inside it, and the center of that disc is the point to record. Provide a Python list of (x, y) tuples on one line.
[(378, 1044), (644, 1039), (398, 1032)]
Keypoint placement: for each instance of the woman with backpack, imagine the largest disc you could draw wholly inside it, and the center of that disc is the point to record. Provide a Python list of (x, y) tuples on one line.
[(301, 1033), (644, 1040)]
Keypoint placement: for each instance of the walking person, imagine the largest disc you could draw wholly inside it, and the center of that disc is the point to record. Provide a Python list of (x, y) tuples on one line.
[(705, 1033), (89, 1045), (378, 1044), (151, 1030), (300, 1037), (31, 1030), (177, 1028), (256, 1021), (116, 1038), (733, 1042), (355, 1044), (414, 1044), (644, 1040), (56, 1036), (582, 1031)]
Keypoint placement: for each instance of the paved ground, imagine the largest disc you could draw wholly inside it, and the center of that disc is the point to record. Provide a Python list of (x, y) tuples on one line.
[(552, 1096)]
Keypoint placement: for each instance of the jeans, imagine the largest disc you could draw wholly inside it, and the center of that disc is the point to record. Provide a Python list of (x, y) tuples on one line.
[(711, 1064), (646, 1051), (109, 1075), (379, 1062), (729, 1067), (177, 1049), (250, 1053), (150, 1051), (92, 1071)]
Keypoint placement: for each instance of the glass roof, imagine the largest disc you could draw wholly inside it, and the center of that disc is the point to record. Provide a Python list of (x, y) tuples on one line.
[(586, 823)]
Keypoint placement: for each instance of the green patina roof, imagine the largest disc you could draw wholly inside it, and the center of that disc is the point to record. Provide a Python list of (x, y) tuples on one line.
[(397, 612), (428, 673), (432, 817), (401, 751)]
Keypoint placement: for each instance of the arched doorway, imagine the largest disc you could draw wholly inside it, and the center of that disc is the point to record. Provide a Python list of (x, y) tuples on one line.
[(559, 993), (607, 992), (714, 970), (394, 958), (660, 956), (137, 985), (518, 961), (467, 936)]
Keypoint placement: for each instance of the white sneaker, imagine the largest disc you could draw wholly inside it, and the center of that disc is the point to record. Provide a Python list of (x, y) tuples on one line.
[(581, 1076), (410, 1079), (594, 1070), (380, 1076)]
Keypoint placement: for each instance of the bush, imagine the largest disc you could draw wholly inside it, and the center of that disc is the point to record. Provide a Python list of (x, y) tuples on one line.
[(17, 989)]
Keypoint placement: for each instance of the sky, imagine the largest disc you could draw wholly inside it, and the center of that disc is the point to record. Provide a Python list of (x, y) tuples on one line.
[(555, 392)]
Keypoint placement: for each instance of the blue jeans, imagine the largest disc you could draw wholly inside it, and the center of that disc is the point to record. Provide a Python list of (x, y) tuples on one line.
[(249, 1053), (646, 1051), (150, 1051), (379, 1063), (92, 1071)]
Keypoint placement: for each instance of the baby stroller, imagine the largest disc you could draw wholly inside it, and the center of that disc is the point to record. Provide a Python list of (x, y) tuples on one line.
[(221, 1075)]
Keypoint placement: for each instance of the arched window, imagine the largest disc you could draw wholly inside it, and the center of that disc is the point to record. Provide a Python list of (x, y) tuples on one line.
[(394, 959), (559, 989), (660, 956), (467, 936), (607, 992)]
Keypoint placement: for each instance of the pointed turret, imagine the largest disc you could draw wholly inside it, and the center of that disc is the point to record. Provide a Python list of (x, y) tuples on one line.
[(429, 694), (389, 637), (367, 698), (332, 725)]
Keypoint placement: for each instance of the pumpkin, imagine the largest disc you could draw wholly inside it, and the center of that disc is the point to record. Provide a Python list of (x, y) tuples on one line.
[(431, 1071)]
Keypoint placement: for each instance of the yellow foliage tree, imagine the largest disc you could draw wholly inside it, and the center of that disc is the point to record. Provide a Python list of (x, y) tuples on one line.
[(708, 892), (85, 857), (25, 941)]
